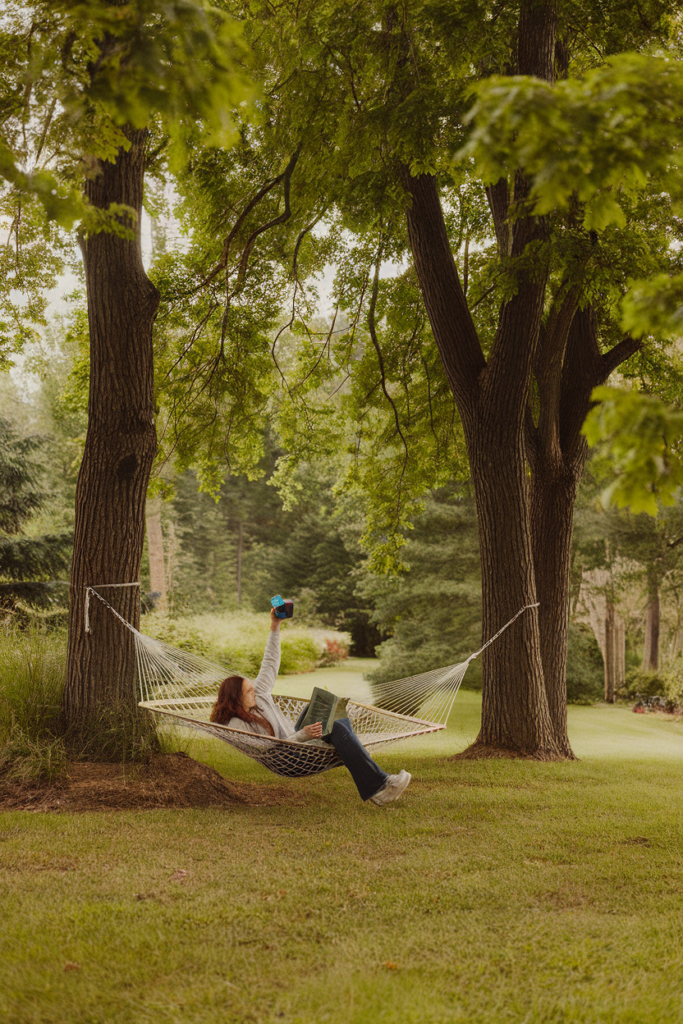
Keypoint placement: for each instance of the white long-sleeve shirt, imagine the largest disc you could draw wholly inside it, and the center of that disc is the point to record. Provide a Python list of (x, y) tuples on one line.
[(265, 705)]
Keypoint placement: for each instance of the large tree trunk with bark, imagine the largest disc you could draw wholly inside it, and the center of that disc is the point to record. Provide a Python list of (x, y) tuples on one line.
[(119, 449), (515, 713)]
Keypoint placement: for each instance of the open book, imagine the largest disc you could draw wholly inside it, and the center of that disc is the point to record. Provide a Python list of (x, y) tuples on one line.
[(325, 708)]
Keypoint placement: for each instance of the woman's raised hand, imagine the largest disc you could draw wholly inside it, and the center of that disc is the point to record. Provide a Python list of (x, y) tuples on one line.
[(315, 731), (274, 621)]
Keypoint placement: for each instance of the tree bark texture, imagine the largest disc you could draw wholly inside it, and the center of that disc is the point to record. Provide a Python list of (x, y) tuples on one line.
[(155, 549), (652, 616), (119, 449), (525, 518)]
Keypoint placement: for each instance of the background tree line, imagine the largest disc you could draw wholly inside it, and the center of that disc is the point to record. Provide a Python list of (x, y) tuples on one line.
[(425, 616)]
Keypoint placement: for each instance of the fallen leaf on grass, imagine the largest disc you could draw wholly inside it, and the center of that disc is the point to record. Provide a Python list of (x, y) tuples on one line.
[(179, 875), (71, 965), (390, 965)]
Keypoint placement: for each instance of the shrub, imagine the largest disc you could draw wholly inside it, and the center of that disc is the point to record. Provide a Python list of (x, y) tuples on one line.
[(299, 654), (178, 633), (334, 651), (241, 658), (235, 641), (674, 686), (585, 667), (646, 684)]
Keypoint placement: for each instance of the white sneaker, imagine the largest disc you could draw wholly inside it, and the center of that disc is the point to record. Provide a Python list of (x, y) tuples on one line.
[(392, 788)]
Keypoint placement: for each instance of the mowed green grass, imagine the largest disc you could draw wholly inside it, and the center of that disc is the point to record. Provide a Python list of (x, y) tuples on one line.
[(492, 892)]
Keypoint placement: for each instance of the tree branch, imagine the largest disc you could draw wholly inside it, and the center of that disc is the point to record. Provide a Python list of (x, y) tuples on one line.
[(498, 196), (548, 368), (626, 348), (450, 318)]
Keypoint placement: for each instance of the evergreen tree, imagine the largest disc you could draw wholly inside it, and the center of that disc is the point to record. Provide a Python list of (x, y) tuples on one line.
[(28, 565)]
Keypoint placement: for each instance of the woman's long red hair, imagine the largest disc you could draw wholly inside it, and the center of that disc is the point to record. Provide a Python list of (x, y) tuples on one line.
[(229, 705)]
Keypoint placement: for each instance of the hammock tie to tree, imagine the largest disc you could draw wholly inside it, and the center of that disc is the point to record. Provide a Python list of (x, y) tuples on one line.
[(183, 687)]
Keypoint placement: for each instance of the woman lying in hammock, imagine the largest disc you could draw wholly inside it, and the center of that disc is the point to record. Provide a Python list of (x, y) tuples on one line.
[(250, 707)]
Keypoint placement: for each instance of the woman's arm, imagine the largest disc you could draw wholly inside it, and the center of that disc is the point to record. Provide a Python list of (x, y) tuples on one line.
[(270, 666)]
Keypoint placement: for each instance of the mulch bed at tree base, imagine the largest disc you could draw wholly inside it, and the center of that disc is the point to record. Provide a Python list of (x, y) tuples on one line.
[(481, 752), (168, 780)]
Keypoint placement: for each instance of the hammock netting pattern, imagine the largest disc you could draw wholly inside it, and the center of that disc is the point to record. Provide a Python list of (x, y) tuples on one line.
[(182, 687)]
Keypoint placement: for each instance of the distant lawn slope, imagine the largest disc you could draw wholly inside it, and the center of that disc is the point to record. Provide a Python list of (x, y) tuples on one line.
[(493, 892)]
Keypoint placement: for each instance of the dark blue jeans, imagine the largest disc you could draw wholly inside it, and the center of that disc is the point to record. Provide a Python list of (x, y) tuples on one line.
[(365, 772)]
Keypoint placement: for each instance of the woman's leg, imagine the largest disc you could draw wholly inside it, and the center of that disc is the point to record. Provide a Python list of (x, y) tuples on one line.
[(365, 772)]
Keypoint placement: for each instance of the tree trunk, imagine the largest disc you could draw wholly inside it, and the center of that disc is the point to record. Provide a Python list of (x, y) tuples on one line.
[(240, 540), (552, 517), (651, 649), (515, 714), (155, 548), (119, 449), (619, 654), (610, 654), (525, 528), (614, 652)]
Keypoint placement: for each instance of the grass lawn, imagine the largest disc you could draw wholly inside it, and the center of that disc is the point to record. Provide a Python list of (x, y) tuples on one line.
[(492, 892)]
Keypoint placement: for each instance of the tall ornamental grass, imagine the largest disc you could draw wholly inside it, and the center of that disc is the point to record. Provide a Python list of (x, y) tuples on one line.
[(31, 683), (34, 744)]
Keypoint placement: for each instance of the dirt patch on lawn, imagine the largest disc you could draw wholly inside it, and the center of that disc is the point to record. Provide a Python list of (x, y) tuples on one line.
[(168, 780)]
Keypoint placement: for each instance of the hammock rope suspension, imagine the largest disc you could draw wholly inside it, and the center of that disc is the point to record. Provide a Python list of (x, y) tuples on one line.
[(91, 590), (182, 687)]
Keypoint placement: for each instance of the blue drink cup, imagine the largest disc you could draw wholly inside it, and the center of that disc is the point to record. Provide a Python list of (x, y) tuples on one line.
[(283, 609)]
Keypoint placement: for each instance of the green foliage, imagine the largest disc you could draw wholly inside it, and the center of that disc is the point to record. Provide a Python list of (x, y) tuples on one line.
[(236, 641), (585, 668), (88, 69), (74, 76), (26, 760), (643, 435), (655, 306), (31, 682), (26, 564), (309, 551), (18, 497), (33, 743), (615, 128), (176, 59), (316, 187), (432, 611), (641, 683), (299, 654)]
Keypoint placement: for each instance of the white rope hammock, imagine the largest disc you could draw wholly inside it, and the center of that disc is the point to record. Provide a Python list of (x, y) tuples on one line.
[(183, 686)]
